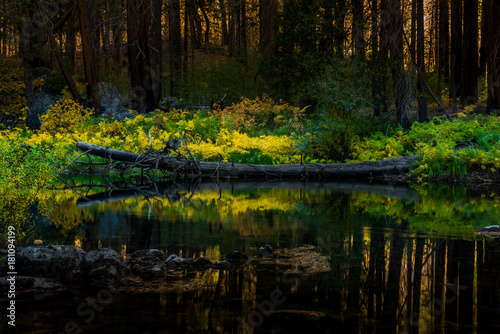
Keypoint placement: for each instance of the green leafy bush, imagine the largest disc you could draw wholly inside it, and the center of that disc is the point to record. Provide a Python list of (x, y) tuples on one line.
[(342, 91)]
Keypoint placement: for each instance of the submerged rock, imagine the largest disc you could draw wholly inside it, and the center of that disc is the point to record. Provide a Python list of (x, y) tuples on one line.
[(222, 265), (266, 251), (174, 261), (29, 283), (202, 262), (63, 263), (492, 231), (105, 265), (148, 253), (236, 257)]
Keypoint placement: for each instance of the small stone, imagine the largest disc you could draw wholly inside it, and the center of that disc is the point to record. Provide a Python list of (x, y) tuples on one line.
[(38, 242)]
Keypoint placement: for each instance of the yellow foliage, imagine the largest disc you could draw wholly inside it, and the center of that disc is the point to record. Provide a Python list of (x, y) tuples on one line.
[(63, 116)]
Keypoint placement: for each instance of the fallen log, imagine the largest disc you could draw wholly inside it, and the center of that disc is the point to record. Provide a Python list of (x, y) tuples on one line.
[(368, 169)]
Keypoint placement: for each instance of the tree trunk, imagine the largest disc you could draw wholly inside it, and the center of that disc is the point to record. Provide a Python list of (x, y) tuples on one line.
[(369, 169), (232, 30), (94, 22), (328, 29), (375, 73), (444, 40), (358, 28), (470, 53), (484, 37), (268, 8), (223, 15), (397, 56), (70, 47), (456, 48), (492, 9), (32, 120), (422, 103), (340, 11), (413, 29), (174, 44), (57, 53), (138, 53), (243, 30), (88, 54), (158, 49), (186, 37), (118, 26), (207, 22)]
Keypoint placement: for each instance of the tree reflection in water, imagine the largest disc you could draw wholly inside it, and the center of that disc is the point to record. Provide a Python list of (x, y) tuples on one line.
[(401, 260)]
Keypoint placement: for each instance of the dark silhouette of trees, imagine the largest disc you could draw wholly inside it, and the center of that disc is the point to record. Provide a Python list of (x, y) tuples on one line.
[(470, 65), (492, 10), (138, 54)]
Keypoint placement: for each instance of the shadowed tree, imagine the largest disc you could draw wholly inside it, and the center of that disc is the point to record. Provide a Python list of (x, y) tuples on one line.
[(174, 43), (492, 9), (138, 53), (470, 53), (422, 102), (395, 42), (358, 28), (268, 9), (456, 49)]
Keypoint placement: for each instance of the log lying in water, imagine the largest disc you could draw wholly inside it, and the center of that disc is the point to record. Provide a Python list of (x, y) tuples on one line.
[(391, 166)]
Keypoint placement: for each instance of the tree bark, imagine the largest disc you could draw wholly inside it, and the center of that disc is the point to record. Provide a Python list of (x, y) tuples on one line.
[(158, 49), (32, 120), (340, 12), (470, 52), (358, 28), (139, 60), (223, 19), (397, 56), (483, 55), (328, 30), (88, 54), (492, 9), (70, 47), (456, 48), (118, 26), (369, 169), (57, 53), (268, 8), (413, 29), (444, 40), (422, 103), (174, 44)]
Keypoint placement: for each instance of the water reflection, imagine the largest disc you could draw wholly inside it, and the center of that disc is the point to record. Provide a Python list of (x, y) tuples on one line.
[(401, 260)]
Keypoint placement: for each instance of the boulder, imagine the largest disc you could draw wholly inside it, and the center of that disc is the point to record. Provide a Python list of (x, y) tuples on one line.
[(62, 263), (492, 231), (222, 265), (236, 257), (148, 253), (174, 261), (202, 262), (266, 251), (24, 283), (105, 265)]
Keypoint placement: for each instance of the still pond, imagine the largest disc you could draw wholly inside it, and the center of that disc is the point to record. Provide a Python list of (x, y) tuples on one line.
[(394, 259)]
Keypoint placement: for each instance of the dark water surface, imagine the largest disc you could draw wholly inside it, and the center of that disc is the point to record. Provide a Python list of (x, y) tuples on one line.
[(401, 260)]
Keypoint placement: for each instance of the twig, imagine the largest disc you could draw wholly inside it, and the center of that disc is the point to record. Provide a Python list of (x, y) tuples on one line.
[(198, 168)]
